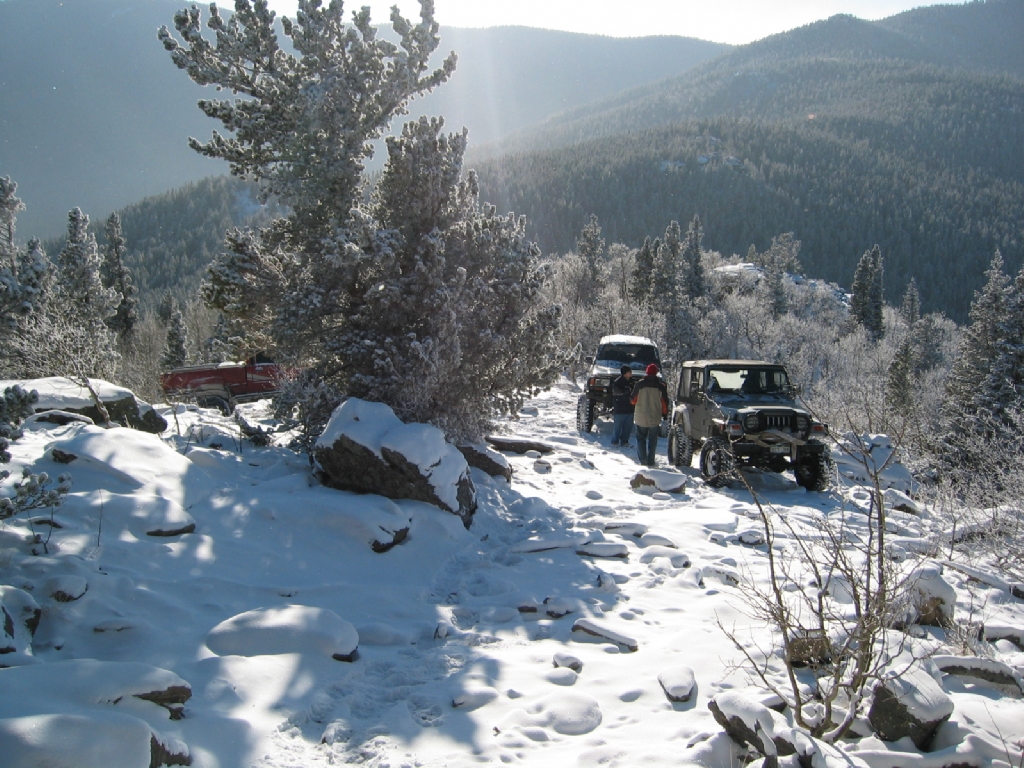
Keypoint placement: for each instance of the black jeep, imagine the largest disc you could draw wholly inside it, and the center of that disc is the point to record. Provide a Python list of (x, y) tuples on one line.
[(744, 413), (613, 352)]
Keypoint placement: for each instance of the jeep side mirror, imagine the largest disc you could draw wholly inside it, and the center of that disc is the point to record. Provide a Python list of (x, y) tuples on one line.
[(589, 359)]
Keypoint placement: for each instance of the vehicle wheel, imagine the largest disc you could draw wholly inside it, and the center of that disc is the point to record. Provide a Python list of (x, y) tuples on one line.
[(716, 462), (680, 447), (219, 403), (584, 413), (814, 472)]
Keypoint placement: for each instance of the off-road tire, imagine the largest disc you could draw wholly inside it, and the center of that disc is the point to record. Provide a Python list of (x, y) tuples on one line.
[(215, 401), (584, 413), (814, 472), (716, 462), (680, 447)]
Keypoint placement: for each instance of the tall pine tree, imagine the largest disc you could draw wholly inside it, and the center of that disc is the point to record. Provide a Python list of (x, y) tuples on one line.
[(116, 276)]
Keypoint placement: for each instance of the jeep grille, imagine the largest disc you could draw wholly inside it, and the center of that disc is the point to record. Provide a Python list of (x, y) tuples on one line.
[(775, 421)]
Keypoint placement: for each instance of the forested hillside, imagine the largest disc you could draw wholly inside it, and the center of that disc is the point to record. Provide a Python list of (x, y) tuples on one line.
[(845, 132), (94, 114)]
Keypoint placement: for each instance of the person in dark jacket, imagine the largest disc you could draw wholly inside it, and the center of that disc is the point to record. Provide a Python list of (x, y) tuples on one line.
[(622, 408), (650, 396)]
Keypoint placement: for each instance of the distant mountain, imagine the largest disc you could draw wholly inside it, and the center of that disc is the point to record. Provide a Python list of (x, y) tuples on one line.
[(847, 132), (93, 114)]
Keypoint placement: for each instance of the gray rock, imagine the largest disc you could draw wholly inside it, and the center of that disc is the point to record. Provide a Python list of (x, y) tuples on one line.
[(518, 445), (478, 456), (912, 705), (354, 467)]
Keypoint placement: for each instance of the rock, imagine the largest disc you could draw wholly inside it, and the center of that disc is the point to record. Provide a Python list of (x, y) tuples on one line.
[(626, 528), (603, 549), (655, 540), (59, 417), (474, 697), (1015, 635), (589, 629), (367, 449), (932, 597), (748, 722), (557, 607), (518, 445), (988, 670), (669, 482), (21, 614), (548, 541), (752, 537), (674, 556), (911, 705), (678, 683), (562, 659), (481, 457), (66, 589), (62, 457), (285, 629)]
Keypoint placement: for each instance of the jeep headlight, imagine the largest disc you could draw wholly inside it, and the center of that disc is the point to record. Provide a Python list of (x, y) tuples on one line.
[(750, 422), (603, 382), (802, 423)]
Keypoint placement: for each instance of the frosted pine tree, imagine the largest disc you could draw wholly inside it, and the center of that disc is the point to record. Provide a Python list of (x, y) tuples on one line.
[(963, 443), (176, 348), (781, 258), (590, 248), (643, 272), (115, 276), (693, 278), (452, 290), (13, 301), (302, 126), (910, 308), (1000, 398), (867, 299)]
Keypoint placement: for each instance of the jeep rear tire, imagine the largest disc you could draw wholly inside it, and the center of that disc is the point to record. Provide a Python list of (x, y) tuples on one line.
[(716, 462), (584, 413), (680, 447)]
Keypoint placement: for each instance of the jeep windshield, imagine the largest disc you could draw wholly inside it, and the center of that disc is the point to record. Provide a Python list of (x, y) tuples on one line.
[(636, 356), (736, 380)]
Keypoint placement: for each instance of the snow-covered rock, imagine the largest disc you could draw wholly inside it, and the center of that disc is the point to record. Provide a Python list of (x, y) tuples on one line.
[(932, 597), (585, 628), (63, 394), (911, 705), (367, 449), (659, 479), (678, 683), (287, 629)]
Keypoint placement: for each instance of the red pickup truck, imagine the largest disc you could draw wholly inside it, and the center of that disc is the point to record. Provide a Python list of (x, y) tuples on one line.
[(223, 385)]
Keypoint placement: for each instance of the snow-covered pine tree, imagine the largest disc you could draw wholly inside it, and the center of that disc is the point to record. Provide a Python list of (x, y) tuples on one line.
[(867, 299), (910, 308), (666, 290), (643, 272), (116, 276), (12, 295), (1000, 398), (590, 248), (450, 289), (962, 445), (303, 128), (176, 349), (900, 383), (780, 258), (693, 278)]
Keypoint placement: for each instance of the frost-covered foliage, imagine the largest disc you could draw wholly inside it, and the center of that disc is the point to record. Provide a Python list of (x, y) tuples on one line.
[(21, 270), (444, 323), (393, 301), (33, 491), (176, 349), (867, 298), (15, 405)]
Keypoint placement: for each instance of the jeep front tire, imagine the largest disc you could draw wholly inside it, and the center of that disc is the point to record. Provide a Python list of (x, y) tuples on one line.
[(716, 462), (584, 413), (680, 447)]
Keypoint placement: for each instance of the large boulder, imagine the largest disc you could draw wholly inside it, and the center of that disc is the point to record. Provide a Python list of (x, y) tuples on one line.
[(69, 395), (912, 704), (367, 449)]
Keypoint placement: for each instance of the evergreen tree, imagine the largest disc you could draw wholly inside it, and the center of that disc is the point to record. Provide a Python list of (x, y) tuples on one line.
[(386, 302), (901, 381), (780, 258), (176, 349), (666, 291), (964, 412), (115, 276), (451, 286), (643, 272), (13, 298), (1000, 399), (867, 300), (165, 308), (694, 282), (10, 205), (590, 247), (910, 309)]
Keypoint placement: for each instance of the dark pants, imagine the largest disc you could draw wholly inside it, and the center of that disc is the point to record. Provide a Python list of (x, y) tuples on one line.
[(622, 428), (647, 444)]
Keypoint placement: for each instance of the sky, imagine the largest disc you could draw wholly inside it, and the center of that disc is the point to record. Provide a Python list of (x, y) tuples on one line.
[(725, 21)]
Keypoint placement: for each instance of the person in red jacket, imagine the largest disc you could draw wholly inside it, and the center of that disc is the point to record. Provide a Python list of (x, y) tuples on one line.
[(650, 398)]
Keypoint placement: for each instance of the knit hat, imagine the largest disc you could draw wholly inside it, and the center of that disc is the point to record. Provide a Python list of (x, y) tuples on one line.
[(625, 369), (652, 369)]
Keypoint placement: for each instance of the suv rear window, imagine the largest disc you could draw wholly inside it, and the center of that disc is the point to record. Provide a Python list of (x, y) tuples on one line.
[(636, 356)]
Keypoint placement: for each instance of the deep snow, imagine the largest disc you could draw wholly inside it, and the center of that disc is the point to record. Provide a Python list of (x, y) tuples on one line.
[(507, 643)]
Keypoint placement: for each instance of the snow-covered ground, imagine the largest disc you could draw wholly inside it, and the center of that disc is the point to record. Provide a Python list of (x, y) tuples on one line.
[(467, 652)]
